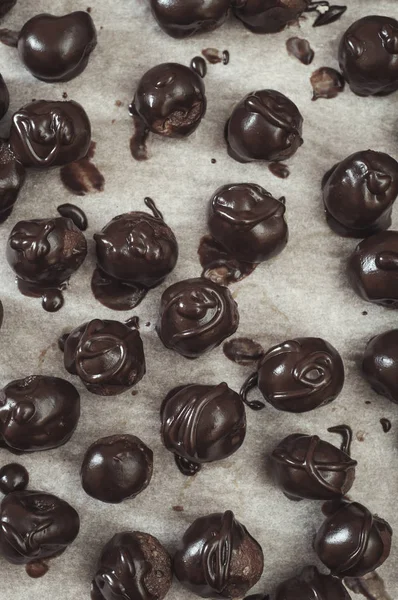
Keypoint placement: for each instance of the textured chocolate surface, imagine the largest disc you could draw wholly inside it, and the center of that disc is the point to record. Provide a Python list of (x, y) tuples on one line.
[(12, 178), (268, 16), (38, 413), (218, 558), (4, 97), (265, 125), (359, 193), (312, 584), (13, 478), (196, 315), (116, 468), (182, 18), (380, 364)]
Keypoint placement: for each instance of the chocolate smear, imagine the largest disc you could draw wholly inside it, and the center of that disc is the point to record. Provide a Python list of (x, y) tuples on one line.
[(82, 176), (326, 83), (243, 351), (115, 294), (371, 586), (219, 266), (212, 55), (71, 211), (279, 170), (198, 64), (301, 49)]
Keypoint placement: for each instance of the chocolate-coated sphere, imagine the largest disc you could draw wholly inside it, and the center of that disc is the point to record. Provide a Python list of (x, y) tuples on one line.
[(13, 478), (38, 413), (182, 18), (359, 193), (4, 98), (373, 269), (12, 178), (380, 364), (108, 356), (218, 558), (311, 584), (265, 125), (133, 566), (196, 315), (368, 56), (116, 468), (352, 542), (268, 16)]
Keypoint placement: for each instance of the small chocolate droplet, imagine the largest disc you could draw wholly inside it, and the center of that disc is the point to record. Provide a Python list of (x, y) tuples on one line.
[(279, 170), (225, 57), (386, 424), (198, 64), (75, 213)]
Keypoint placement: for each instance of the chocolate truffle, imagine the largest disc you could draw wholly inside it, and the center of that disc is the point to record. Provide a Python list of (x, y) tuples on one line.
[(218, 557), (265, 125), (50, 134), (12, 178), (170, 99), (248, 221), (196, 315), (312, 584), (268, 16), (201, 424), (4, 98), (35, 526), (5, 6), (57, 48), (13, 478), (368, 56), (305, 466), (108, 356), (182, 18), (44, 253), (133, 565), (352, 541), (380, 364), (116, 468), (38, 413), (297, 376), (373, 269)]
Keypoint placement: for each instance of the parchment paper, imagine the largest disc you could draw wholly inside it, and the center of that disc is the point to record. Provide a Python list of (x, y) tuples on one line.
[(302, 292)]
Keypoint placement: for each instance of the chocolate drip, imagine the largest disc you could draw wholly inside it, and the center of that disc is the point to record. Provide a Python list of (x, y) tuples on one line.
[(217, 553), (187, 467), (346, 433)]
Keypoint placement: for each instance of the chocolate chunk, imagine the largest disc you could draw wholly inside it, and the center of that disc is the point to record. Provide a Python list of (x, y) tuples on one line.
[(268, 16), (6, 6), (4, 98), (380, 364), (12, 178), (279, 170), (243, 351), (198, 64), (312, 584), (217, 557), (13, 478), (326, 83), (182, 18), (78, 216), (301, 49)]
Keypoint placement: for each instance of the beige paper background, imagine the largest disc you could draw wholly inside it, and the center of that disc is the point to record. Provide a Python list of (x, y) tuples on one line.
[(302, 292)]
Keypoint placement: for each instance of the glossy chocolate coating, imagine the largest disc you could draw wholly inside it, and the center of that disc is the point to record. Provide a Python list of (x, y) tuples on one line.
[(307, 467), (196, 315), (373, 269), (50, 134), (380, 364), (38, 413), (4, 98), (359, 193), (13, 478), (265, 125), (182, 18), (170, 99), (298, 375), (218, 558), (108, 356), (202, 423), (268, 16), (368, 56), (35, 525), (248, 221), (311, 584), (132, 566), (352, 542), (12, 178), (116, 468)]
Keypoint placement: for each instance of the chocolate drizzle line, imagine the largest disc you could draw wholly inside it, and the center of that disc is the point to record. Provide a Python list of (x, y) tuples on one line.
[(217, 554), (356, 555), (346, 433), (248, 385)]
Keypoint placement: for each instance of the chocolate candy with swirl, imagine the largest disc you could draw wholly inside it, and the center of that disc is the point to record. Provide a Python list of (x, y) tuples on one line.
[(108, 356), (359, 193), (373, 269), (196, 315), (368, 56), (218, 558), (352, 542), (35, 526), (183, 18), (265, 125), (297, 376), (202, 424), (380, 364), (132, 566), (311, 584), (268, 16)]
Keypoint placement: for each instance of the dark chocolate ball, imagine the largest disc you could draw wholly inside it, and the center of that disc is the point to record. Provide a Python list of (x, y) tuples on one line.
[(196, 315), (268, 16), (5, 6), (201, 424), (116, 468), (170, 99), (108, 356), (13, 478), (307, 467), (368, 56), (380, 364), (373, 269), (182, 18), (248, 221), (12, 178), (312, 584), (4, 98), (133, 565), (352, 542), (359, 193), (35, 525), (265, 125), (38, 413), (218, 558), (50, 134)]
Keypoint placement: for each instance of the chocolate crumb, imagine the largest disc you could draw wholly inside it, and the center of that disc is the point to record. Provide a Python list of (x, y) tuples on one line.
[(326, 83), (213, 161), (386, 424), (178, 508), (301, 49), (64, 95), (365, 312), (360, 435), (225, 57), (212, 55), (118, 103)]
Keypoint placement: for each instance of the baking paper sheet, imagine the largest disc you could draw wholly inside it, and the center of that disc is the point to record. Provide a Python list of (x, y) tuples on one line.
[(302, 292)]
